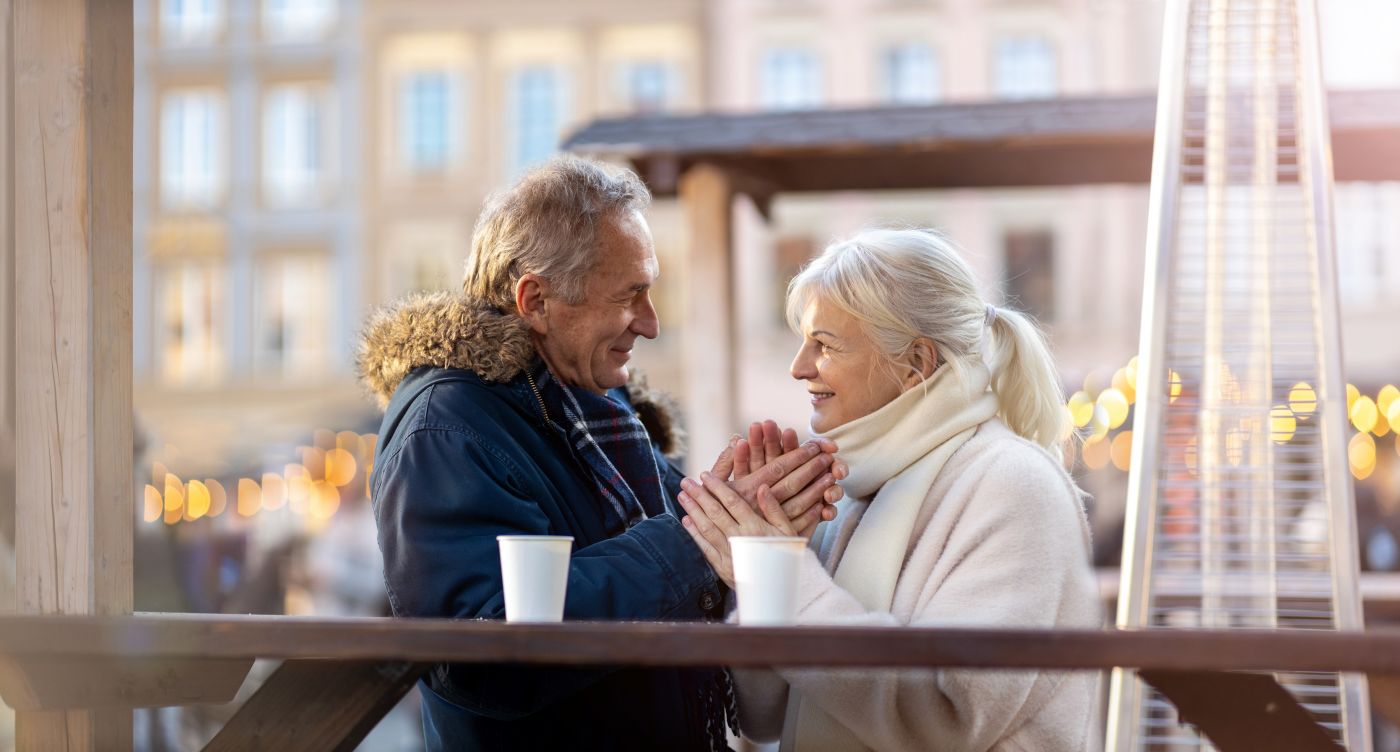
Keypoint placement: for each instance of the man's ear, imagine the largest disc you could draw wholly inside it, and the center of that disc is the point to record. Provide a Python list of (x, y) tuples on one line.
[(922, 359), (532, 302)]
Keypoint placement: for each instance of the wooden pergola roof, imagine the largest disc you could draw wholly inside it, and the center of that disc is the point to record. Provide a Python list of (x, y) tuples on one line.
[(1053, 142)]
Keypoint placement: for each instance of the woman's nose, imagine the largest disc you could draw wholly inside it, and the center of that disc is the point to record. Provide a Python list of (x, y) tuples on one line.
[(802, 368)]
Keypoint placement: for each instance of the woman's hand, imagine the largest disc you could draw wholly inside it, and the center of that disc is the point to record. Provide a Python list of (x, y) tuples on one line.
[(797, 475), (715, 513)]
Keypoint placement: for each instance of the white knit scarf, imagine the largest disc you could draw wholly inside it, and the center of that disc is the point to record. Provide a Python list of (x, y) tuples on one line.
[(894, 454)]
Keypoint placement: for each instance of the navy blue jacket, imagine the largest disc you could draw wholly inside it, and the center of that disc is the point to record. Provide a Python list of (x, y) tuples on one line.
[(462, 459)]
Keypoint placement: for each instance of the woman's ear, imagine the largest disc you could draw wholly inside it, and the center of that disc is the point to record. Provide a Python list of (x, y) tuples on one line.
[(531, 302), (922, 359)]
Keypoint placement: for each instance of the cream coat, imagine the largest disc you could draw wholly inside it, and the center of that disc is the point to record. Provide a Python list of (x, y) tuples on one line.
[(1000, 540)]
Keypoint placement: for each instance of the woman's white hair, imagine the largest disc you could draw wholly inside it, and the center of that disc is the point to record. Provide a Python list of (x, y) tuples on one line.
[(902, 285)]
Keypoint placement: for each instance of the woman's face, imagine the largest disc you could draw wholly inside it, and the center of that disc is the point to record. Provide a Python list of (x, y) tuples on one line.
[(841, 366)]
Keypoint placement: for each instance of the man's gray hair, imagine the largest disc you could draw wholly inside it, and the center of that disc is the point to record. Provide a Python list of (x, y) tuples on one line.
[(547, 224)]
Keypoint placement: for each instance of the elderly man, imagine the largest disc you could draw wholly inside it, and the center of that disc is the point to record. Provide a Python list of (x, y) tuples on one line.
[(510, 410)]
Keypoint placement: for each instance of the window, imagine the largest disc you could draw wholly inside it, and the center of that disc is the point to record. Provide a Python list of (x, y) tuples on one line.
[(536, 112), (191, 21), (647, 87), (911, 75), (290, 315), (189, 321), (792, 80), (295, 123), (1030, 272), (1025, 68), (297, 20), (428, 121), (192, 149)]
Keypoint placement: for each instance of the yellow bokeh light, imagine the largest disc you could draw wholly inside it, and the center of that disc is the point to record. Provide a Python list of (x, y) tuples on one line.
[(1115, 404), (1387, 397), (1096, 452), (174, 499), (369, 442), (1282, 424), (274, 491), (249, 497), (1364, 414), (1121, 450), (152, 504), (349, 441), (1382, 426), (1130, 371), (314, 460), (1124, 386), (1173, 386), (298, 488), (1098, 424), (1094, 383), (197, 501), (218, 498), (1234, 446), (1353, 394), (1361, 455), (1392, 416), (1081, 408), (325, 499), (1302, 400), (340, 467), (1229, 385), (158, 472)]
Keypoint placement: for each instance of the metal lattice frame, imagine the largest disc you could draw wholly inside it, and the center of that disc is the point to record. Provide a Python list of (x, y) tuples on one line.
[(1230, 525)]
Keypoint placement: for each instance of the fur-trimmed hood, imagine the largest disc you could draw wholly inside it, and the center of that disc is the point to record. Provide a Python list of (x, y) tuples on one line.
[(447, 330)]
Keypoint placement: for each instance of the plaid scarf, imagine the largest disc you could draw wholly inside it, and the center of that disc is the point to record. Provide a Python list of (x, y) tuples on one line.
[(606, 436), (611, 442)]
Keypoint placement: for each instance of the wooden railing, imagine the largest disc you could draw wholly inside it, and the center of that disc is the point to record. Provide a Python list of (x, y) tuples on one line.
[(341, 675)]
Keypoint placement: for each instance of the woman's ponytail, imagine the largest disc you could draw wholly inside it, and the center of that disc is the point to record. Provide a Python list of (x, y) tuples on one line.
[(1024, 379)]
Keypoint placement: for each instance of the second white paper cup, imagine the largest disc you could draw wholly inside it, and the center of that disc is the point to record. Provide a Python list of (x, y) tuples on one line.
[(535, 573), (765, 575)]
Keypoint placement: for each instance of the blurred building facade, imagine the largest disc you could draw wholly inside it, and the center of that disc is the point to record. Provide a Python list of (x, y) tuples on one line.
[(299, 162)]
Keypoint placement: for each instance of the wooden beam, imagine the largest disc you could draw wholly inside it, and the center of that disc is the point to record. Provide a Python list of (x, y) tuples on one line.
[(1385, 695), (7, 237), (708, 346), (59, 683), (1241, 712), (695, 644), (317, 706), (74, 487)]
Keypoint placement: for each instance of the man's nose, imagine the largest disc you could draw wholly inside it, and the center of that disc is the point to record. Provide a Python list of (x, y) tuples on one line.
[(646, 324)]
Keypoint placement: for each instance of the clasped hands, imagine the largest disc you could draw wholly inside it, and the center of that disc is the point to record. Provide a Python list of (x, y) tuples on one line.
[(765, 485)]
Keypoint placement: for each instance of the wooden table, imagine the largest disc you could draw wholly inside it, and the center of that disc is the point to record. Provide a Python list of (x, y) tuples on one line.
[(343, 674)]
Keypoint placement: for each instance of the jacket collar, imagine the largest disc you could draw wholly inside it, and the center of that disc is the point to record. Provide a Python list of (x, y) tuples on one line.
[(447, 330)]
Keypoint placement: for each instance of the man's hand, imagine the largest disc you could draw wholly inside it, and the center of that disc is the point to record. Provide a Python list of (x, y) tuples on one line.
[(798, 476)]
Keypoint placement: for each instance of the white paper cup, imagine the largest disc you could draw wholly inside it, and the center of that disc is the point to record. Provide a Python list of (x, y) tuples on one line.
[(535, 572), (765, 574)]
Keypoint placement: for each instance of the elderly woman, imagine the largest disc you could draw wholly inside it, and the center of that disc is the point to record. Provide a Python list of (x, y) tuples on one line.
[(958, 512)]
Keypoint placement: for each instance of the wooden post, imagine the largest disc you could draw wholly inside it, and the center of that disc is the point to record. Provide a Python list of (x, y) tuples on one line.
[(72, 172), (707, 195)]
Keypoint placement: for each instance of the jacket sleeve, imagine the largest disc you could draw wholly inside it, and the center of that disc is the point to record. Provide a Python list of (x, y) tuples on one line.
[(438, 529), (1017, 558)]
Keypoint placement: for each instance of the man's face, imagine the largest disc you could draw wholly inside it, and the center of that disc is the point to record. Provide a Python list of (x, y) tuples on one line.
[(589, 343)]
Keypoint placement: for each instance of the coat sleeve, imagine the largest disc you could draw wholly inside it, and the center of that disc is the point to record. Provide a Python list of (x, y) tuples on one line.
[(438, 531), (1016, 558)]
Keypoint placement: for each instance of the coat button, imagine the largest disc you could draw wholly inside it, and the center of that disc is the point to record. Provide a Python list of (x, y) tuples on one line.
[(708, 601)]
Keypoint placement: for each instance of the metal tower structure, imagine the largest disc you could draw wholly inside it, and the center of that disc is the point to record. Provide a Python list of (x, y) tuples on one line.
[(1240, 510)]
